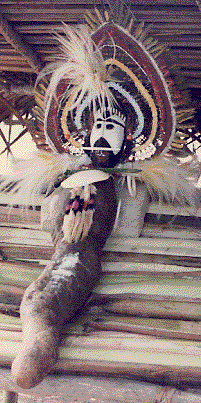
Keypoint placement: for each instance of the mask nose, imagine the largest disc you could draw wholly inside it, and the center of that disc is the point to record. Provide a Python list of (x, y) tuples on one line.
[(101, 142)]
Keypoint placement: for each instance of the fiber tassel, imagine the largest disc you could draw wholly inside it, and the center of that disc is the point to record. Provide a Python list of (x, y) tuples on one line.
[(68, 224), (88, 219), (77, 230), (69, 218), (89, 192), (117, 215), (131, 185), (79, 213)]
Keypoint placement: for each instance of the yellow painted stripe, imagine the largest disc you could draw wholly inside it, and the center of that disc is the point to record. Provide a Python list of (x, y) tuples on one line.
[(64, 124), (145, 94)]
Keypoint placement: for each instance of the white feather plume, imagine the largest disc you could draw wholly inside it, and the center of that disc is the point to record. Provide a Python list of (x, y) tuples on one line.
[(31, 177), (80, 62), (171, 180)]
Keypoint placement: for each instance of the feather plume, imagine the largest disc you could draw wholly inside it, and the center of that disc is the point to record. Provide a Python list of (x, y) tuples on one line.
[(80, 62), (171, 180), (31, 178)]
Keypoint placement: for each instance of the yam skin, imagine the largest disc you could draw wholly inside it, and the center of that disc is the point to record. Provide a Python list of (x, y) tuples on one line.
[(60, 291)]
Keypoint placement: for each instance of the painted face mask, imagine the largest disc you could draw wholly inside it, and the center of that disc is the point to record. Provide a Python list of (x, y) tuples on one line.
[(107, 138)]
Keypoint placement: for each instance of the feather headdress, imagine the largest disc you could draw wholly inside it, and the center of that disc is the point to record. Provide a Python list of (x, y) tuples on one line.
[(80, 84), (81, 66), (140, 82)]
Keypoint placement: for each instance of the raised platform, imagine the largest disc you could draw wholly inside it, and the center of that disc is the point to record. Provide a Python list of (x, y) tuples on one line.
[(141, 324)]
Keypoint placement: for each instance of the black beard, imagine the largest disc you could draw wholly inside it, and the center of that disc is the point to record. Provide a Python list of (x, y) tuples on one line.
[(111, 161), (104, 159)]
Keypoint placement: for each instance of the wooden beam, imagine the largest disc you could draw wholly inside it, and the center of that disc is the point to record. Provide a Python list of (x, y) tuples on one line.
[(12, 37), (11, 109), (16, 68), (14, 141), (5, 141), (22, 122)]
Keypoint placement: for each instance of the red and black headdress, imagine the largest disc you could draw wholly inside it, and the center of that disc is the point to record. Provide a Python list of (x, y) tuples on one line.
[(112, 69)]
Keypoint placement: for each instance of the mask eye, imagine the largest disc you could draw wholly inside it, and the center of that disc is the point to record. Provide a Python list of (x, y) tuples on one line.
[(109, 126), (99, 125)]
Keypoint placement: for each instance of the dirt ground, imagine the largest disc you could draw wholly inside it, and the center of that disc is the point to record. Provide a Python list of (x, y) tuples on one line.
[(25, 398)]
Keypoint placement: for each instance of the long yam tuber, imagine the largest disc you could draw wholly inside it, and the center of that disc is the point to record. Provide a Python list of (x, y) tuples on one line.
[(60, 291)]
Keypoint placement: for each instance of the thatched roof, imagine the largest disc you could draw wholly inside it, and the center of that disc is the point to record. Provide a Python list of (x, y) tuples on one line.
[(26, 43)]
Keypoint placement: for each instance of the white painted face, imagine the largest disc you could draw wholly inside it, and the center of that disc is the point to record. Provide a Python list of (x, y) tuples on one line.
[(111, 129)]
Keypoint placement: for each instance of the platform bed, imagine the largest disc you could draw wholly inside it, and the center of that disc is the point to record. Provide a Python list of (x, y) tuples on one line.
[(142, 323)]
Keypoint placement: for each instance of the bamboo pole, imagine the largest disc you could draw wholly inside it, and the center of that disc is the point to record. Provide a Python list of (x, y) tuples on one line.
[(11, 295), (121, 285), (115, 347), (180, 288), (148, 327), (97, 318), (126, 354), (153, 308), (181, 378)]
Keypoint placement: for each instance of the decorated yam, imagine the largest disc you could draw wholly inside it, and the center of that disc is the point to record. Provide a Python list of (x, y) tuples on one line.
[(60, 291)]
